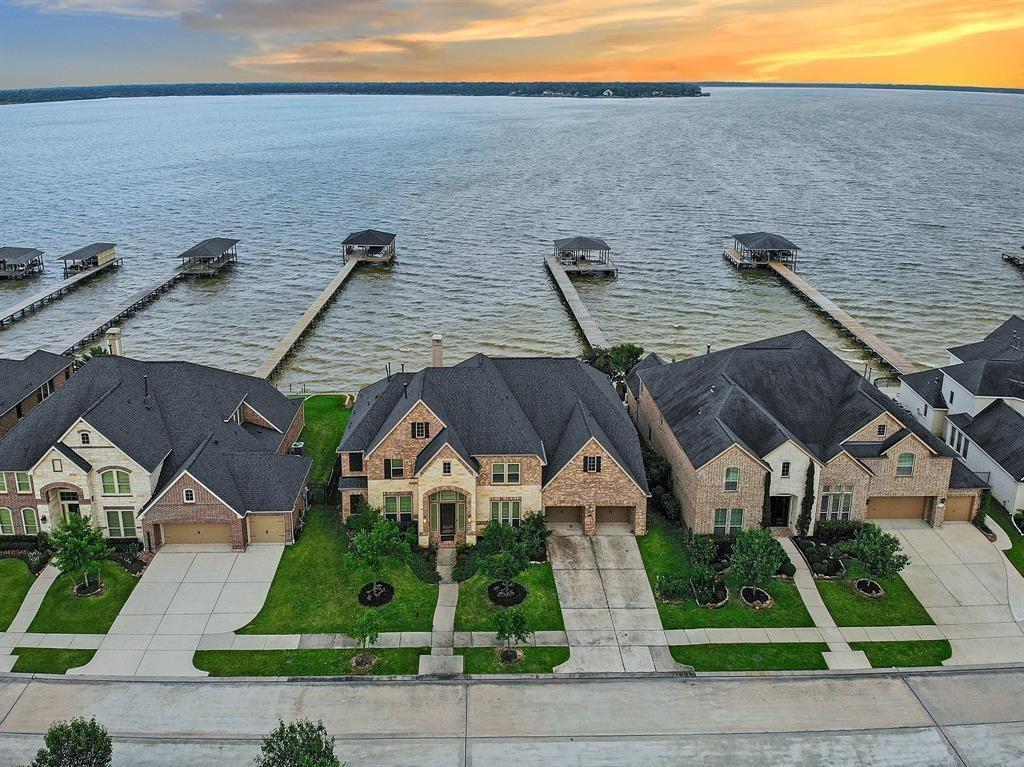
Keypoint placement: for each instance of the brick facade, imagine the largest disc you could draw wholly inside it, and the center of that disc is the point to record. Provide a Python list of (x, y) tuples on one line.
[(11, 417), (291, 436), (207, 509)]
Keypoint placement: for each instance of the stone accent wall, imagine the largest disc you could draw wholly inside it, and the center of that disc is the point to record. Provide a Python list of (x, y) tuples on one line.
[(207, 509), (400, 444), (612, 486), (8, 419)]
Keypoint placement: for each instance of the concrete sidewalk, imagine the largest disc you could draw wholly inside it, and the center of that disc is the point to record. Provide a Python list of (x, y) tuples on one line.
[(26, 613)]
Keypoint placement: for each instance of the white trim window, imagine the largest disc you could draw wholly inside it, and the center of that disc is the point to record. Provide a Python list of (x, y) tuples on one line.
[(446, 468), (785, 469), (188, 495), (31, 521), (57, 465), (23, 481), (121, 523), (84, 438), (44, 391), (6, 522), (398, 508), (880, 431), (836, 502), (905, 464), (732, 479), (420, 429), (728, 521), (3, 482), (116, 482), (505, 473), (506, 512), (591, 464)]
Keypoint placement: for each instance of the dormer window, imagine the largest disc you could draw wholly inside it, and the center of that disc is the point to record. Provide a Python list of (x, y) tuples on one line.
[(420, 429), (188, 495), (85, 438), (881, 430)]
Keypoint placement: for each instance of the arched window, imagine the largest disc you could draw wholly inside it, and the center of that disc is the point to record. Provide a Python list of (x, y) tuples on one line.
[(84, 437), (6, 522), (188, 495), (905, 464), (116, 482), (441, 505), (28, 518), (732, 479)]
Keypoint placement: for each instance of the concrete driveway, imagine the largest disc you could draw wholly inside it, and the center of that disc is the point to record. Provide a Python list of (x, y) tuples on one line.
[(186, 592), (968, 587), (611, 620)]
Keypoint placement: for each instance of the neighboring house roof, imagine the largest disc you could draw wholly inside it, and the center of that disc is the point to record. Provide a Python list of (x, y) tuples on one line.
[(927, 384), (19, 378), (214, 247), (581, 243), (990, 378), (369, 238), (762, 394), (19, 256), (962, 478), (1005, 342), (633, 379), (89, 251), (175, 417), (765, 241), (548, 407), (999, 431)]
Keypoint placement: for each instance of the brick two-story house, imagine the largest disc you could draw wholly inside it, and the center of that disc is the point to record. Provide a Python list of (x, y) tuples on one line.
[(165, 452), (25, 383), (493, 440), (781, 408)]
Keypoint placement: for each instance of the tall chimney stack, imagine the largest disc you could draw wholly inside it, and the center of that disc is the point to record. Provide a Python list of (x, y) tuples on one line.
[(437, 349), (113, 338)]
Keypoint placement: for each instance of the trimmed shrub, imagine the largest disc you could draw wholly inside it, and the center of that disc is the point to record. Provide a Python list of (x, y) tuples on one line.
[(832, 531), (23, 542), (819, 568), (672, 588), (423, 563), (787, 569)]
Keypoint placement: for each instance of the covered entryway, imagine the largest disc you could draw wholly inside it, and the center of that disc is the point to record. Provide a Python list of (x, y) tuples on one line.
[(195, 533), (778, 510), (897, 507), (959, 508), (268, 528)]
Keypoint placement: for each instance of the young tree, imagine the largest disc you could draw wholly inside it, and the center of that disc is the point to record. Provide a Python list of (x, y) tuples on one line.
[(513, 626), (877, 550), (366, 629), (80, 548), (504, 567), (375, 545), (756, 557), (78, 743), (803, 522), (298, 744)]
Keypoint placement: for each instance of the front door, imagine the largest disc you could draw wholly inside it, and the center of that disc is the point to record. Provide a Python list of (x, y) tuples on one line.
[(447, 521), (69, 503), (779, 511)]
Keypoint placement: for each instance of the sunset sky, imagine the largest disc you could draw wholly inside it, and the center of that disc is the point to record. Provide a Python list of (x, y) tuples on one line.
[(87, 42)]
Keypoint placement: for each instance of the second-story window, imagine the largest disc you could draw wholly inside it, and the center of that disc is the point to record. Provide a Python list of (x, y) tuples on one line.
[(905, 464), (505, 474), (116, 482), (394, 468), (592, 464), (188, 495), (420, 429), (24, 482), (85, 438), (3, 482), (446, 467), (355, 461), (57, 464), (785, 468), (732, 479)]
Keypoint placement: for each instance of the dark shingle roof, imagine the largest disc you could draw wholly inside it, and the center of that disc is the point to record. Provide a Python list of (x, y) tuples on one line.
[(1005, 342), (765, 241), (761, 394), (962, 478), (999, 431), (928, 385), (570, 244), (89, 251), (19, 256), (369, 238), (990, 378), (175, 416), (19, 378), (214, 247), (505, 406), (633, 380)]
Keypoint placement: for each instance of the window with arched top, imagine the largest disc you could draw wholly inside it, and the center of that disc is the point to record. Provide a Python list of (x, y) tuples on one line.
[(188, 495), (30, 521), (115, 482), (447, 501), (732, 479), (905, 464), (6, 522), (84, 438)]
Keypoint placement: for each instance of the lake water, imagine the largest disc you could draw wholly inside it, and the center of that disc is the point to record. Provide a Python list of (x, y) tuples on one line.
[(901, 200)]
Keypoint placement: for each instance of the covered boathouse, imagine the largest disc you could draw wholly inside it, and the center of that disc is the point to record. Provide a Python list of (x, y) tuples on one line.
[(209, 256), (757, 249), (18, 263), (90, 256), (369, 245), (585, 255)]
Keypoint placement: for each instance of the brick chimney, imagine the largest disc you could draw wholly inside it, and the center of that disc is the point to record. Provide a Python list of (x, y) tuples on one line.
[(437, 349), (113, 339)]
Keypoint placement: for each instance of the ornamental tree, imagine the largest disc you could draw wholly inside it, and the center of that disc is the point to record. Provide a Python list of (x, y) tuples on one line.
[(766, 502), (81, 548), (803, 522), (504, 567), (376, 544), (756, 557), (877, 551), (298, 744), (512, 626), (78, 743), (365, 629)]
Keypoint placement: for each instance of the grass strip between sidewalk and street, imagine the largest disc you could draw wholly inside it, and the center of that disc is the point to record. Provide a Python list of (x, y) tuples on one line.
[(782, 656), (536, 660), (43, 660), (390, 661), (929, 652)]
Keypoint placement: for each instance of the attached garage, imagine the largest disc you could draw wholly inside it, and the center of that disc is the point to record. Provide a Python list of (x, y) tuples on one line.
[(268, 528), (196, 533), (958, 508), (607, 514), (557, 514), (897, 507)]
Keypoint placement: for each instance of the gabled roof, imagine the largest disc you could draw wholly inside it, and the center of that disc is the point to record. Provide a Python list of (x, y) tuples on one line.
[(172, 416), (928, 386), (999, 431), (19, 378), (581, 243), (633, 379), (19, 256), (547, 407), (990, 378), (765, 241), (89, 251), (370, 238), (214, 247), (448, 437), (1005, 342), (759, 395)]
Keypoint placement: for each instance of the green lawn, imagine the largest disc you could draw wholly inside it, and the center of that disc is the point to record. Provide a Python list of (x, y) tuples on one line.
[(403, 660), (899, 606), (316, 587), (325, 418), (997, 514), (664, 552), (476, 611), (905, 654), (15, 581), (41, 660), (64, 613), (784, 656), (536, 660)]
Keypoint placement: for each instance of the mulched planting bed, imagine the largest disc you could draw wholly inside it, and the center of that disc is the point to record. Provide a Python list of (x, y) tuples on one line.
[(93, 589), (508, 657), (376, 594), (868, 588), (757, 598), (510, 597), (718, 599)]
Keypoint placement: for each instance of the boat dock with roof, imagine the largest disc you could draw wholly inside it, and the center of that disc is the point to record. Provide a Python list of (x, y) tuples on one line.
[(79, 266), (371, 246), (580, 255), (18, 263)]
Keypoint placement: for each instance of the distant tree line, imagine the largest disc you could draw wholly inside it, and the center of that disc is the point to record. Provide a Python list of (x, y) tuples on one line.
[(565, 89)]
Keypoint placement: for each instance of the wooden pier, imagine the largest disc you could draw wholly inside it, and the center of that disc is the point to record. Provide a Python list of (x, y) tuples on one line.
[(32, 303), (127, 308), (303, 324), (592, 333), (879, 348)]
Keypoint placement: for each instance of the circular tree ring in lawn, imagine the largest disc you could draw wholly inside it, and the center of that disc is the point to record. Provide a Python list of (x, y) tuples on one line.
[(376, 594), (499, 595), (364, 661), (757, 598), (508, 657), (869, 588), (94, 589)]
